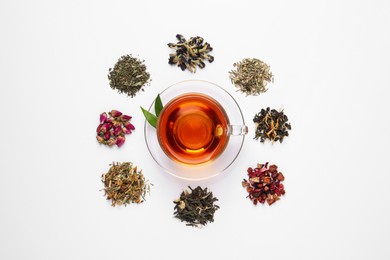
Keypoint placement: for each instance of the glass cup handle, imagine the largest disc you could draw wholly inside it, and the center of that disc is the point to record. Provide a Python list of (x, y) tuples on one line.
[(237, 130)]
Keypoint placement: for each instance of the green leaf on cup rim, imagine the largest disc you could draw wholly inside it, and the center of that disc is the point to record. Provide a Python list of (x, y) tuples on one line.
[(158, 106), (152, 119)]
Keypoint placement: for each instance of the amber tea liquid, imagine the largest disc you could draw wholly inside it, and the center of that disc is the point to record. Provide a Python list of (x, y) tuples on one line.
[(192, 129)]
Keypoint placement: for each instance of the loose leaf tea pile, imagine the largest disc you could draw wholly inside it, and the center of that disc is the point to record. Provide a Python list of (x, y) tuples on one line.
[(264, 184), (272, 125), (196, 207), (113, 128), (129, 75), (251, 76), (124, 184), (190, 53)]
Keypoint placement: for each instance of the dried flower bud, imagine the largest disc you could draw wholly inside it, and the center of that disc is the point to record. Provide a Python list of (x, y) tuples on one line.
[(129, 126), (120, 140), (126, 131), (99, 139), (117, 130), (115, 113), (99, 128), (125, 118), (112, 141), (107, 136), (105, 128), (116, 123), (103, 117)]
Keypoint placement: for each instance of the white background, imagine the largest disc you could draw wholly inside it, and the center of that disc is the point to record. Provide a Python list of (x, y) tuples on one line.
[(331, 66)]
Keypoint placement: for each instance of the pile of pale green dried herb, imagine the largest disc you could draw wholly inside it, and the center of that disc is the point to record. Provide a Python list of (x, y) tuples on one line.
[(251, 76)]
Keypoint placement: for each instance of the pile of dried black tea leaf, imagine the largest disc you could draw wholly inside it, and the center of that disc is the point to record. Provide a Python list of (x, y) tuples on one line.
[(251, 76), (190, 53), (271, 124), (129, 75), (196, 207), (124, 184)]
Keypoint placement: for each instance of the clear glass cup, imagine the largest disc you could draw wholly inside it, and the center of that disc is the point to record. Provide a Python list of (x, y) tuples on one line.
[(236, 131)]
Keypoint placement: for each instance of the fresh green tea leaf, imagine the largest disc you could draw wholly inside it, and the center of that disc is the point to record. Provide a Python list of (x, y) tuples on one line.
[(152, 119), (158, 106)]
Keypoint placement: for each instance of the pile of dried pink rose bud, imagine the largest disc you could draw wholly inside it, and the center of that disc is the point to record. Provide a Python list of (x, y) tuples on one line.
[(113, 128), (264, 184)]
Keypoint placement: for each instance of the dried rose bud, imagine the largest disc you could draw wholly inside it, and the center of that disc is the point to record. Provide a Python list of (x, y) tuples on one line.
[(129, 126), (120, 140), (115, 113), (116, 123), (99, 128), (112, 125), (100, 139), (103, 117), (106, 128), (117, 130), (126, 131), (125, 118), (112, 141), (107, 136)]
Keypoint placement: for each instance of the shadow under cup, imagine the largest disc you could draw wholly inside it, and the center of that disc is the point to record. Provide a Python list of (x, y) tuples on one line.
[(200, 130)]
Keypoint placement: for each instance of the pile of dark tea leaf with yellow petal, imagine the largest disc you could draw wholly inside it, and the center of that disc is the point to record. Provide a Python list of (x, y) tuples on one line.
[(271, 124)]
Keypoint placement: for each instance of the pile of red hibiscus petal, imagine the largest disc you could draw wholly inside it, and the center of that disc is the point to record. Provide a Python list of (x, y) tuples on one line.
[(264, 184)]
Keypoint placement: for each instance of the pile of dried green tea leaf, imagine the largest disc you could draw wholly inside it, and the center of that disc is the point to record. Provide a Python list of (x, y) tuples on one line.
[(251, 76), (124, 184), (129, 75)]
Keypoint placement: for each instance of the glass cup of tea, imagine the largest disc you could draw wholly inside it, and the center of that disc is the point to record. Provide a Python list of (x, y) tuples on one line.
[(199, 132)]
